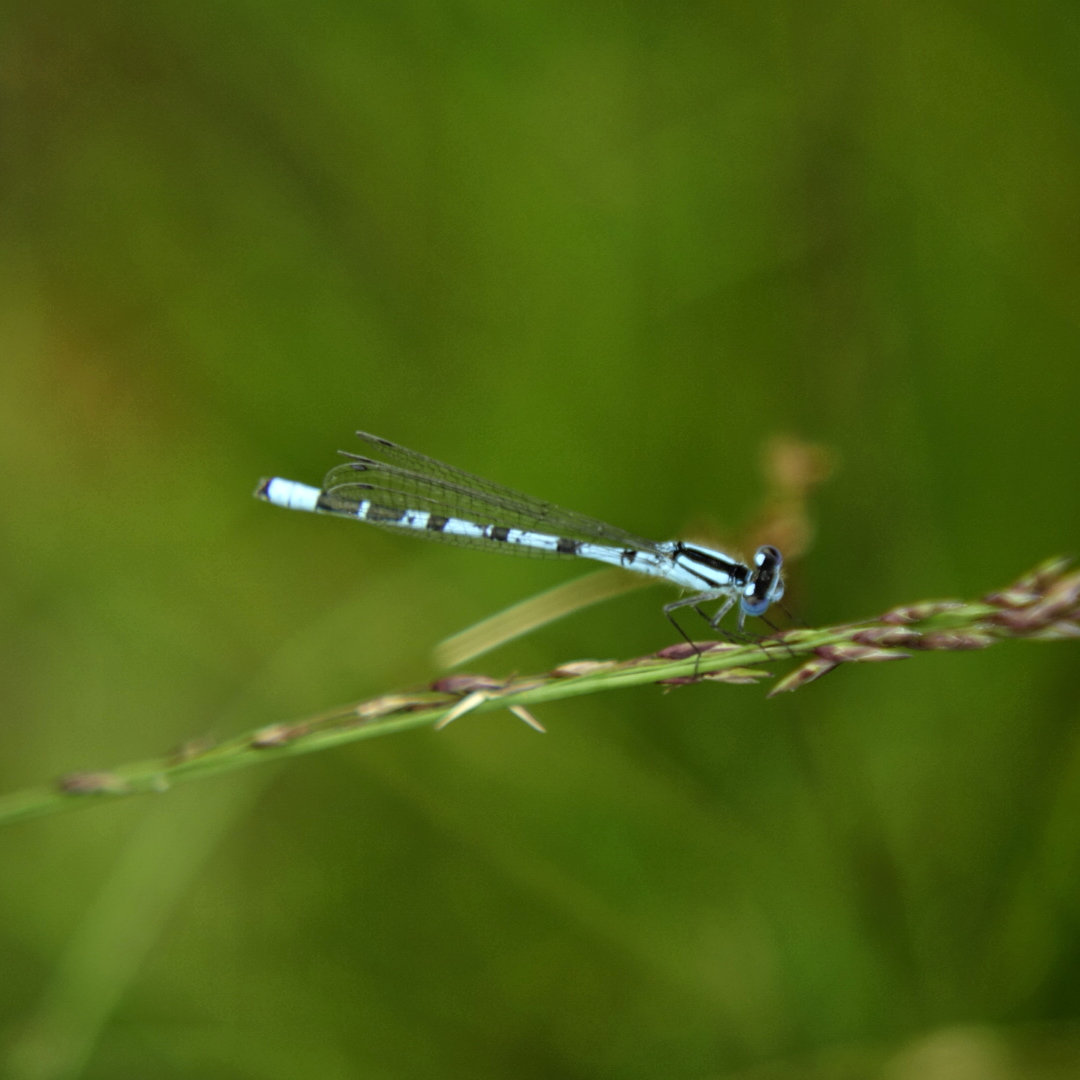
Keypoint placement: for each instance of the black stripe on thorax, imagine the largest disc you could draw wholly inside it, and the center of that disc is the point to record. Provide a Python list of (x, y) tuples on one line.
[(736, 573)]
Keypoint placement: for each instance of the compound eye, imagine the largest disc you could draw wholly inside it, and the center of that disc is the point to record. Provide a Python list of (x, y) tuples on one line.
[(768, 553), (754, 607)]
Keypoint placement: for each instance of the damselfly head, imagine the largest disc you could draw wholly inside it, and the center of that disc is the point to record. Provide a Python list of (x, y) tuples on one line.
[(765, 586)]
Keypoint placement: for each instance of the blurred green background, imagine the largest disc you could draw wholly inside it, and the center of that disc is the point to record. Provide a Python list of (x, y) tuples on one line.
[(600, 253)]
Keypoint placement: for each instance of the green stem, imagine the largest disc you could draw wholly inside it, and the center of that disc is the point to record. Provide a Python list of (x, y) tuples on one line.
[(1044, 605)]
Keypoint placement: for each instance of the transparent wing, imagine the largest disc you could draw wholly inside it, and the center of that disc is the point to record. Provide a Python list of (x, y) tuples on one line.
[(408, 480), (390, 510)]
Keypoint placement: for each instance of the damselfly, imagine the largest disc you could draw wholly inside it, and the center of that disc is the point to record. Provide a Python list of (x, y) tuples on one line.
[(410, 492)]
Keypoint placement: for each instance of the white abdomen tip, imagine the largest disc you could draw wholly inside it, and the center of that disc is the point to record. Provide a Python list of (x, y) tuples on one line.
[(288, 493)]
